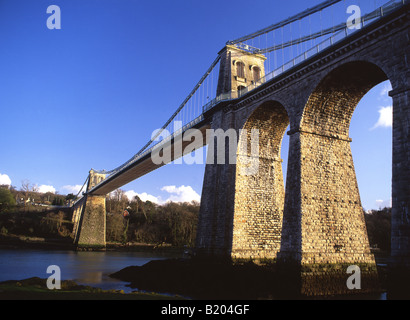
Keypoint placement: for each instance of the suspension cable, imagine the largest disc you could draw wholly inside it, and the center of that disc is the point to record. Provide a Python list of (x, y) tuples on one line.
[(282, 23), (275, 47), (169, 120)]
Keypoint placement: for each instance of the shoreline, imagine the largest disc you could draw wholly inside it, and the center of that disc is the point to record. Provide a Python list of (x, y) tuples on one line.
[(27, 242), (223, 280), (36, 289), (185, 276)]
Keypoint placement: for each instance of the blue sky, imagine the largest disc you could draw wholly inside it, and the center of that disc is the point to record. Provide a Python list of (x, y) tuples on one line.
[(90, 94)]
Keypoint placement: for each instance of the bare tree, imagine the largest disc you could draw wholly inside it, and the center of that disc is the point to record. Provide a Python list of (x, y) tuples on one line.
[(119, 200), (27, 188), (118, 194)]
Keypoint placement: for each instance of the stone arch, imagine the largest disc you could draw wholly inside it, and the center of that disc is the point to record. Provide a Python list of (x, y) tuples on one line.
[(323, 221), (323, 218), (259, 187), (332, 103)]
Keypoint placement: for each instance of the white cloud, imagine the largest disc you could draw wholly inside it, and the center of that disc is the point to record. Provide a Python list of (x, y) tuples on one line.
[(181, 194), (44, 189), (148, 197), (143, 196), (385, 118), (381, 204), (71, 189), (130, 194), (5, 179), (177, 194)]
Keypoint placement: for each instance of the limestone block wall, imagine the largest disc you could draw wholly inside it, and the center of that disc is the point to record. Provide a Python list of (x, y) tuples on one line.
[(214, 231), (330, 215), (94, 178), (229, 79), (92, 225), (89, 217), (259, 193), (332, 223)]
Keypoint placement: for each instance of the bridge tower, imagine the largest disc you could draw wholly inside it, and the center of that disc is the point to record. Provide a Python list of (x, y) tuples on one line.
[(241, 212), (89, 217), (238, 69)]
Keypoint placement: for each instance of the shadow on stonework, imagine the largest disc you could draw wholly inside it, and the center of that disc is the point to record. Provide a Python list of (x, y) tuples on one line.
[(221, 279)]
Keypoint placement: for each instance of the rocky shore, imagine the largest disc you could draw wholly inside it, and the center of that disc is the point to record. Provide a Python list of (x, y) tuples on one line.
[(203, 279), (199, 279), (36, 289)]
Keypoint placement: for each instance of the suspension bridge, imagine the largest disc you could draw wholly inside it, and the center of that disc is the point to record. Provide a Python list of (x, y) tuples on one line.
[(308, 71)]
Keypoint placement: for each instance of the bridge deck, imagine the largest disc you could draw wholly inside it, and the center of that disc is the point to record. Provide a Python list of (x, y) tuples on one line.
[(145, 164)]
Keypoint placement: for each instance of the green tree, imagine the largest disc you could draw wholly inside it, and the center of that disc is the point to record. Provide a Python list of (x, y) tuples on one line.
[(6, 199), (378, 224), (70, 196)]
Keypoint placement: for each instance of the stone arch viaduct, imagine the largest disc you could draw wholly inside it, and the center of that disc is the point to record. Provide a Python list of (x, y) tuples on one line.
[(318, 219)]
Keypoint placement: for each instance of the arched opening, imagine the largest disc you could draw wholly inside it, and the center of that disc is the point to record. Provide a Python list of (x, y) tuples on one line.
[(259, 186), (240, 69), (332, 225), (371, 132), (331, 105), (256, 73)]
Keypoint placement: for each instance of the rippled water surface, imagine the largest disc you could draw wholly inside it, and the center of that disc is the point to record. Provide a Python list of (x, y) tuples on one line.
[(88, 268)]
